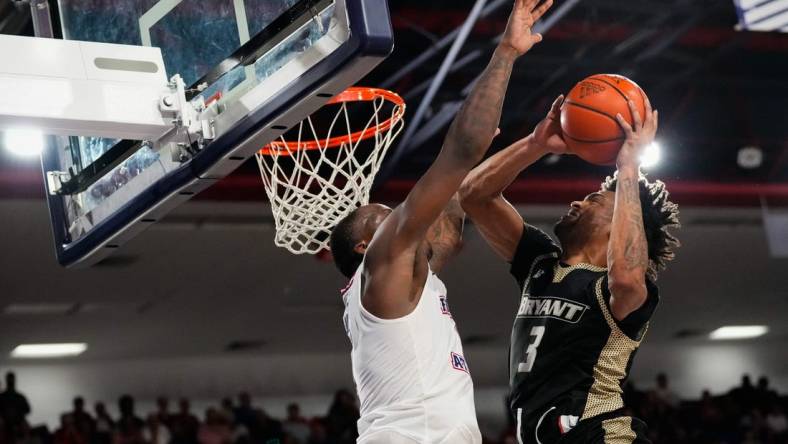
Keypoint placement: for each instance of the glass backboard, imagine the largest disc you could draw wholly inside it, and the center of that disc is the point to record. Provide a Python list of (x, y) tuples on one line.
[(266, 64)]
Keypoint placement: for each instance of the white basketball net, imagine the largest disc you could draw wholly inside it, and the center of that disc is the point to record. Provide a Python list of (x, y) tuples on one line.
[(312, 190)]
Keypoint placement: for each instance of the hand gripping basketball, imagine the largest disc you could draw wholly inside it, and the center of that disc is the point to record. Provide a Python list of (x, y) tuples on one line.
[(639, 135), (588, 116), (548, 135)]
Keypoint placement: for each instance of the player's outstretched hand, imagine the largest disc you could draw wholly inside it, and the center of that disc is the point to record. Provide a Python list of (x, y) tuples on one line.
[(638, 136), (518, 34), (548, 135)]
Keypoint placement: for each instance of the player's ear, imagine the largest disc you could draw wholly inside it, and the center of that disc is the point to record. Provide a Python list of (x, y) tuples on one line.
[(360, 247)]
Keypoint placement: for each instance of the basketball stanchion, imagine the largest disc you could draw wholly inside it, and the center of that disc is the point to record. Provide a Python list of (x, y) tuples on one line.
[(317, 179)]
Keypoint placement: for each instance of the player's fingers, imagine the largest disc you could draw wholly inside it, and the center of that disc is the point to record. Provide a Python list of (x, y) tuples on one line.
[(556, 108), (497, 132), (636, 120), (536, 38), (624, 124), (656, 120), (529, 4), (648, 106), (539, 12)]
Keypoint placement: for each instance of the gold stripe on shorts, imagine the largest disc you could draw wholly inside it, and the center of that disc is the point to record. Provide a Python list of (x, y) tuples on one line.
[(619, 430)]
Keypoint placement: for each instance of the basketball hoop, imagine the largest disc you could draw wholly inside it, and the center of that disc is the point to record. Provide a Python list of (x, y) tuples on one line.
[(319, 177)]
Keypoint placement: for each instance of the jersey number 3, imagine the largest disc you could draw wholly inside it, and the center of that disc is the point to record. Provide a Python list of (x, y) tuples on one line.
[(530, 353)]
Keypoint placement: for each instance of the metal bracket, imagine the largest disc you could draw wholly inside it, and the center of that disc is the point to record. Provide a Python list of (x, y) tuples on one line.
[(55, 180), (192, 127), (41, 17)]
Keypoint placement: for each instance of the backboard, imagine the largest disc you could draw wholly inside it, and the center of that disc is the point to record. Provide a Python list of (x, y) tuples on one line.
[(265, 64)]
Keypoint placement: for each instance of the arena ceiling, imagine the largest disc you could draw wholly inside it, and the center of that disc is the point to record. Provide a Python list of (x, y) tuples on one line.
[(717, 89)]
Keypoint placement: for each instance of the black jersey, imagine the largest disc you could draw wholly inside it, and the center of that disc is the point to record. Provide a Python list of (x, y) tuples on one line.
[(568, 356)]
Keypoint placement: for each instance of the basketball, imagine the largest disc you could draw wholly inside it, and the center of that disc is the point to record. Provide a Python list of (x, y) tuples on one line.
[(588, 116)]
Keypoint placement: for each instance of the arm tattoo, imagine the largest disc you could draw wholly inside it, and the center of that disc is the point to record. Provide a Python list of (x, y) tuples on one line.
[(480, 114), (445, 235), (635, 245)]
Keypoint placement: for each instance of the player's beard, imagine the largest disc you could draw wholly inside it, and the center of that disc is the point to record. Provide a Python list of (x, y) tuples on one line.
[(570, 232)]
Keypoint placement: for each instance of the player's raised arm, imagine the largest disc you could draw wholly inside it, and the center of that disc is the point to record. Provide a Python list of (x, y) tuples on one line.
[(627, 254), (481, 194), (468, 139), (445, 235)]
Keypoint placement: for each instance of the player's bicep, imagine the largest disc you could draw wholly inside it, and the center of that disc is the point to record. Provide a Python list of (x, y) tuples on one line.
[(635, 322), (500, 225)]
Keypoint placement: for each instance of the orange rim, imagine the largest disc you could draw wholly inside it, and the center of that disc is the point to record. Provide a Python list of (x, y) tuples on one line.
[(352, 94)]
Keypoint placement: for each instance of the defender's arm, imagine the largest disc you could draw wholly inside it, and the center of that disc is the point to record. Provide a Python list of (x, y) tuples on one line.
[(468, 139), (481, 193), (627, 255), (445, 235), (392, 250)]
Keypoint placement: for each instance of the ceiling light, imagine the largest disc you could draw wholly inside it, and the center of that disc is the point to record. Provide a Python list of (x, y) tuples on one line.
[(24, 142), (651, 155), (738, 332), (48, 350), (750, 157), (43, 308)]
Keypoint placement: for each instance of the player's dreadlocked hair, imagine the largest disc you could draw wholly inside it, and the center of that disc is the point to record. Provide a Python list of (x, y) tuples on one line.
[(659, 215)]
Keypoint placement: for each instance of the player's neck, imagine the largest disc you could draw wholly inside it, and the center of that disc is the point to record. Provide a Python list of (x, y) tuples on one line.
[(593, 256)]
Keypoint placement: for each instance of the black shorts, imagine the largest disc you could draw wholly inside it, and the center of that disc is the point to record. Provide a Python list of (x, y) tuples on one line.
[(613, 427)]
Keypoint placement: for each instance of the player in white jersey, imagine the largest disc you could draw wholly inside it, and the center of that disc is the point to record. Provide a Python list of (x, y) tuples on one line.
[(408, 364)]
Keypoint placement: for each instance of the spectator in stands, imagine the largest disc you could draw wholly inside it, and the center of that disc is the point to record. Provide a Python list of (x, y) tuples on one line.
[(777, 424), (104, 425), (744, 395), (633, 398), (68, 433), (156, 432), (663, 393), (184, 426), (753, 427), (764, 395), (130, 427), (265, 428), (244, 413), (163, 412), (317, 432), (215, 429), (82, 419), (342, 417), (710, 413), (228, 410), (14, 408), (296, 427)]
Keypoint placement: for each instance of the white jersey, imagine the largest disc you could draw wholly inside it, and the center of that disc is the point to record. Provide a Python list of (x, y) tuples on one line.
[(412, 378)]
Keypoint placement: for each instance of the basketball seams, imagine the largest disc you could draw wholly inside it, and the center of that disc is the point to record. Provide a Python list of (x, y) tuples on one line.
[(601, 139), (580, 105), (623, 94), (591, 142)]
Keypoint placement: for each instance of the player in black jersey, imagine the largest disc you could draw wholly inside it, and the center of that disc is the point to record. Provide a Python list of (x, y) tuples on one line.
[(585, 306)]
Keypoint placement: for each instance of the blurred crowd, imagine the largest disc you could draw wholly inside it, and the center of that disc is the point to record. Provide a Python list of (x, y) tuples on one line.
[(748, 414), (232, 422)]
